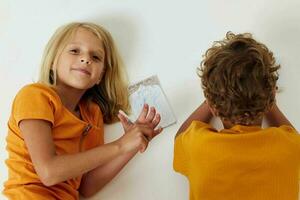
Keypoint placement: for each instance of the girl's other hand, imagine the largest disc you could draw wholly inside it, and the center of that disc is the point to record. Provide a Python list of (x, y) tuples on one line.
[(143, 129), (136, 138), (146, 117)]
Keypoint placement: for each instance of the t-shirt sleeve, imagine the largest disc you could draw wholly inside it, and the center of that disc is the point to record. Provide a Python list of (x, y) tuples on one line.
[(180, 160), (183, 143), (296, 138), (33, 102)]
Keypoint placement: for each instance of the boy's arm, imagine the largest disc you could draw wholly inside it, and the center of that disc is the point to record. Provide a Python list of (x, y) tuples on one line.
[(276, 118), (202, 113)]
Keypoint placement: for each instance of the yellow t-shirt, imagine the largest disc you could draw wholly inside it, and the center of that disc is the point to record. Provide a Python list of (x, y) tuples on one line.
[(241, 163), (70, 135)]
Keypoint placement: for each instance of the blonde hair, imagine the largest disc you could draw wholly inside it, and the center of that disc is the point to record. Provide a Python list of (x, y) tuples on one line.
[(239, 78), (111, 94)]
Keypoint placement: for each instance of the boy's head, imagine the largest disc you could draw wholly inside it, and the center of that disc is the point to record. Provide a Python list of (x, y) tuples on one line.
[(239, 77)]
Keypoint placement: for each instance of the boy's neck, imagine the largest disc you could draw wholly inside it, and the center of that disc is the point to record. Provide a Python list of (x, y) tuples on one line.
[(228, 124)]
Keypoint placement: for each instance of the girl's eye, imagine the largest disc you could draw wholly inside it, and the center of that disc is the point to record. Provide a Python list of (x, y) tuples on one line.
[(74, 51), (97, 58)]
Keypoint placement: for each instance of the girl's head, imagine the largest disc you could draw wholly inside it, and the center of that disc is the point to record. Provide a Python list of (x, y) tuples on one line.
[(239, 77), (109, 89)]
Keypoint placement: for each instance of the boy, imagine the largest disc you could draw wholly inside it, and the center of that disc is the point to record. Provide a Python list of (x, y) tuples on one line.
[(243, 161)]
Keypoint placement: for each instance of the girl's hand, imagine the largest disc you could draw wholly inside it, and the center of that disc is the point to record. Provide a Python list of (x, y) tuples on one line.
[(143, 128), (146, 117), (136, 138)]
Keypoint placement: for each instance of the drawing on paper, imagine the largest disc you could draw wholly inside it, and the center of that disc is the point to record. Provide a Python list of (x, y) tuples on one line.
[(150, 91)]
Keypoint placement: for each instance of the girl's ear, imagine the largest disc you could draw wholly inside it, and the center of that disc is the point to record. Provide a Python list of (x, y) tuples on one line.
[(101, 76)]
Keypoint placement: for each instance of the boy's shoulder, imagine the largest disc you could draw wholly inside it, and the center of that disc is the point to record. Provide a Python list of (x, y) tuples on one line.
[(196, 127), (290, 132), (288, 129)]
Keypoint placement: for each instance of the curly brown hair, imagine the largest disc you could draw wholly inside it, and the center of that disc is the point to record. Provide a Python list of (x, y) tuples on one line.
[(239, 76)]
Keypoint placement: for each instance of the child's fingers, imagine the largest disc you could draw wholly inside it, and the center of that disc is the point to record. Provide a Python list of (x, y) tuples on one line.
[(125, 117), (147, 132), (147, 135), (157, 131), (143, 113), (147, 138), (156, 120), (124, 121), (151, 114)]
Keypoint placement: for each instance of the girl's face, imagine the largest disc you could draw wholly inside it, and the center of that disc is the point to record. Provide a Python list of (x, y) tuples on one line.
[(81, 63)]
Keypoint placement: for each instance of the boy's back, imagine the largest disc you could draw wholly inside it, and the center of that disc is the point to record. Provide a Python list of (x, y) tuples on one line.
[(242, 162)]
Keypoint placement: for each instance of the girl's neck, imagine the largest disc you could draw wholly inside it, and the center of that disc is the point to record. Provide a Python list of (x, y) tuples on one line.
[(69, 97)]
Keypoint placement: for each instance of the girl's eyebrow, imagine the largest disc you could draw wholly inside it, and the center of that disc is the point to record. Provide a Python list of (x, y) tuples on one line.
[(100, 51)]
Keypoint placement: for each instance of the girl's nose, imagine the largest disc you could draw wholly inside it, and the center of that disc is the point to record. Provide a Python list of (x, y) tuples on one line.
[(87, 61)]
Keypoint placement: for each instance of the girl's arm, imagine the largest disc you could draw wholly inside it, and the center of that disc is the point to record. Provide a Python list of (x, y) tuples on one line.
[(53, 169), (202, 113), (276, 118), (96, 179)]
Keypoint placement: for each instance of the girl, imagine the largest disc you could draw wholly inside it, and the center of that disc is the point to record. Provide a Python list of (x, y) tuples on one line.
[(55, 137)]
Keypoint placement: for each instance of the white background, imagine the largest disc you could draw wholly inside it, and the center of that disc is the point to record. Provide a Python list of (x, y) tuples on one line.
[(166, 38)]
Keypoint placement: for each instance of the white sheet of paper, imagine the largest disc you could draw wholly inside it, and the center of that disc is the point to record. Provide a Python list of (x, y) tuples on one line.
[(150, 91)]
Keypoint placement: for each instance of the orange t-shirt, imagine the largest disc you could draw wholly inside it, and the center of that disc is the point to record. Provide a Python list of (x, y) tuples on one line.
[(248, 163), (70, 135)]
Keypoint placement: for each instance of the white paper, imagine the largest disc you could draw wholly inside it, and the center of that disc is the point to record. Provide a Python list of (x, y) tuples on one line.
[(149, 91)]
